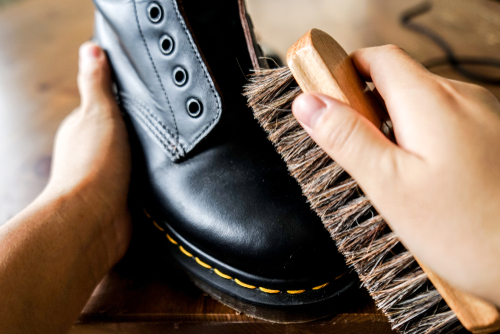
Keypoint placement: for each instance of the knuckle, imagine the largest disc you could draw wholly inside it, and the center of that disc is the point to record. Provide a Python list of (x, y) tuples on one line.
[(100, 107), (96, 106), (447, 92), (448, 86), (392, 164), (390, 51), (94, 70), (456, 90), (482, 92), (387, 55), (338, 134), (392, 48), (92, 73)]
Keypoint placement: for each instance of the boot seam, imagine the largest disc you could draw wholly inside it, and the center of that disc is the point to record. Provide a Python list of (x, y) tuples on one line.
[(228, 277), (207, 77), (151, 122), (176, 137)]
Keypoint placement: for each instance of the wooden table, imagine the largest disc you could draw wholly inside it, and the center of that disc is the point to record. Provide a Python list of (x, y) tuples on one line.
[(39, 40)]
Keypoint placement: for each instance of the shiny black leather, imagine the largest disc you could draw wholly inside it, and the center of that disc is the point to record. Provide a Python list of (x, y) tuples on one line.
[(145, 74), (230, 194)]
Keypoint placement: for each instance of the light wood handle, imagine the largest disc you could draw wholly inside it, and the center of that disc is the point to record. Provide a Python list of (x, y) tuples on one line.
[(319, 64), (477, 315)]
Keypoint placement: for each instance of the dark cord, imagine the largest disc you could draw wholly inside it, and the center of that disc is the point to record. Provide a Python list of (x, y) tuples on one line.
[(450, 58)]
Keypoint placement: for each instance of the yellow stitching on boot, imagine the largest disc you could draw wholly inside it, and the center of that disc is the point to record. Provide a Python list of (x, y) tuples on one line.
[(222, 275), (146, 213), (268, 290), (203, 264), (185, 252), (171, 240), (158, 226), (341, 275), (248, 286), (321, 286), (295, 292)]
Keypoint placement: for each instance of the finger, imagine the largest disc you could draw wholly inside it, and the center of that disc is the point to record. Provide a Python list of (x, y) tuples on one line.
[(410, 92), (94, 77), (397, 77), (389, 63), (348, 137)]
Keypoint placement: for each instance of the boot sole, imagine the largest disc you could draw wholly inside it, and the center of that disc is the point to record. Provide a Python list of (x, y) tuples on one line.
[(278, 306)]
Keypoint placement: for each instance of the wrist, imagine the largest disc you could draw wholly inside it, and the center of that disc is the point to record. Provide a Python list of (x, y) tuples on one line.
[(101, 231)]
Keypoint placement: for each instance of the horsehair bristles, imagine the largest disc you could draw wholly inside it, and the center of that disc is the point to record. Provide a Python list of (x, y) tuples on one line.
[(389, 272)]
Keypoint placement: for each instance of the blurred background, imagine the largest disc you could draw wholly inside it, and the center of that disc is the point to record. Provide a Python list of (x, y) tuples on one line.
[(39, 40)]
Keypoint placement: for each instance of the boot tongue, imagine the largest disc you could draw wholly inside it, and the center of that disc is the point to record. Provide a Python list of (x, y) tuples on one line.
[(217, 28)]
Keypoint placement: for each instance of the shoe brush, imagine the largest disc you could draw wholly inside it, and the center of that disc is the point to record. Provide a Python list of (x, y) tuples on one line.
[(414, 299)]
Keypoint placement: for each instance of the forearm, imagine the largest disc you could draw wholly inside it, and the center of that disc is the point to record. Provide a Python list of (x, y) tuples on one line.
[(53, 254)]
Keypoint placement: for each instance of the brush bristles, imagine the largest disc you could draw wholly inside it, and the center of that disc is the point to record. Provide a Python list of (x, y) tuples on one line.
[(388, 271)]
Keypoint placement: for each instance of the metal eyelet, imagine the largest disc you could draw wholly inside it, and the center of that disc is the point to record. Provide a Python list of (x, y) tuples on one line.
[(155, 12), (180, 76), (194, 107), (166, 44)]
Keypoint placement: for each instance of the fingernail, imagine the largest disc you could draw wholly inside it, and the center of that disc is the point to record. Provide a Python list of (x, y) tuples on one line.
[(308, 109), (90, 51)]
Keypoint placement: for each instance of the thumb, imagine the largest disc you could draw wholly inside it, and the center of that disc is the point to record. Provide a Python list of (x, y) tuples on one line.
[(94, 77), (348, 138)]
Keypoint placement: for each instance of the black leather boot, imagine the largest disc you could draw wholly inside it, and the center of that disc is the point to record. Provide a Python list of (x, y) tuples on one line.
[(211, 182)]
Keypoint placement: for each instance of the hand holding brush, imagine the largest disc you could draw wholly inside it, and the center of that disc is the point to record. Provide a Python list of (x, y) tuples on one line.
[(437, 185)]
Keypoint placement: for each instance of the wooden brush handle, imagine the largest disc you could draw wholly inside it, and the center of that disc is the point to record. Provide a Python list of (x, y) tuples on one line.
[(319, 64)]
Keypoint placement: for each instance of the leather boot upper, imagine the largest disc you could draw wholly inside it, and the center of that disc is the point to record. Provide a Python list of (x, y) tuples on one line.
[(212, 175)]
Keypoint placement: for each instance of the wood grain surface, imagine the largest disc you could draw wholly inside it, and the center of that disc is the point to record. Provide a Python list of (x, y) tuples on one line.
[(477, 315), (39, 40), (319, 64)]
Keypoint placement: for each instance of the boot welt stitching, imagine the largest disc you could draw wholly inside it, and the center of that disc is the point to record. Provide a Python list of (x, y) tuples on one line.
[(171, 239), (222, 274), (248, 286), (268, 290), (186, 252), (203, 264), (336, 278), (157, 226), (321, 286), (225, 276)]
